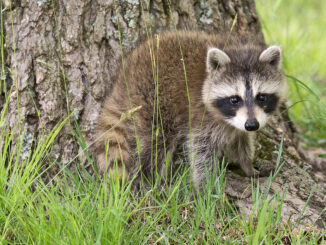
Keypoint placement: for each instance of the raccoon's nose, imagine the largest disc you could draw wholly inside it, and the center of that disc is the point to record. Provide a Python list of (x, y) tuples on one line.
[(252, 125)]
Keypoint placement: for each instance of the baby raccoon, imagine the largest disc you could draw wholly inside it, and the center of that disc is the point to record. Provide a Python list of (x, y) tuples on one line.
[(205, 94)]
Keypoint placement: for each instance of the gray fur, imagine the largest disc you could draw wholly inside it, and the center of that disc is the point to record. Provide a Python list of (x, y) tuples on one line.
[(217, 140)]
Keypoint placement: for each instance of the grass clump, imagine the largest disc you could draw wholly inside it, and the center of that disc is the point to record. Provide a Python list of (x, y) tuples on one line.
[(79, 208)]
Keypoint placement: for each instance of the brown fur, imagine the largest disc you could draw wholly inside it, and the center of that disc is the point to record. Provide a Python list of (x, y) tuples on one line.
[(215, 137)]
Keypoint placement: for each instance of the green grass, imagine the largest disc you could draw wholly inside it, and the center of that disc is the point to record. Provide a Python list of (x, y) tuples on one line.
[(79, 208), (298, 26)]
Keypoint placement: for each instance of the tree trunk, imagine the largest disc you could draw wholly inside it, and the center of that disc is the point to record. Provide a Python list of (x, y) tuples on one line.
[(61, 57)]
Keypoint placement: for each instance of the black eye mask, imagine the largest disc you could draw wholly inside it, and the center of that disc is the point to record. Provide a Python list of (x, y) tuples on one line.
[(228, 106), (267, 102)]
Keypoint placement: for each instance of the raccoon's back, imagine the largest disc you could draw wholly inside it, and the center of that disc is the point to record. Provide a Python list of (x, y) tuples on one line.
[(170, 65)]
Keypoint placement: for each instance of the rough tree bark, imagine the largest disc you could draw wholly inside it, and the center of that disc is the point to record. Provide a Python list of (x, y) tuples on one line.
[(65, 53)]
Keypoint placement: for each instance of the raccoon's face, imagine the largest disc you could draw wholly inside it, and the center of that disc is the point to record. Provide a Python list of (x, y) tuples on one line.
[(244, 87)]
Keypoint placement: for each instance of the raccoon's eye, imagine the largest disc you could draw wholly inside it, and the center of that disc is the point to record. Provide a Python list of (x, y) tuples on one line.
[(235, 100), (261, 97)]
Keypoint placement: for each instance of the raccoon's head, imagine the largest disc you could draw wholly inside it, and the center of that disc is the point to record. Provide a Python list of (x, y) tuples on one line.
[(244, 86)]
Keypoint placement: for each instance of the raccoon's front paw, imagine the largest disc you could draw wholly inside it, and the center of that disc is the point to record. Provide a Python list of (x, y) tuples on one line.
[(251, 172)]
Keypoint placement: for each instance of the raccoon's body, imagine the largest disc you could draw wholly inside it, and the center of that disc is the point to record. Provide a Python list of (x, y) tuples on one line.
[(207, 101)]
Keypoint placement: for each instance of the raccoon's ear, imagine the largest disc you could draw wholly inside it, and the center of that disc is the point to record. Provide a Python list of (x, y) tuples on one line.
[(272, 55), (215, 59)]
